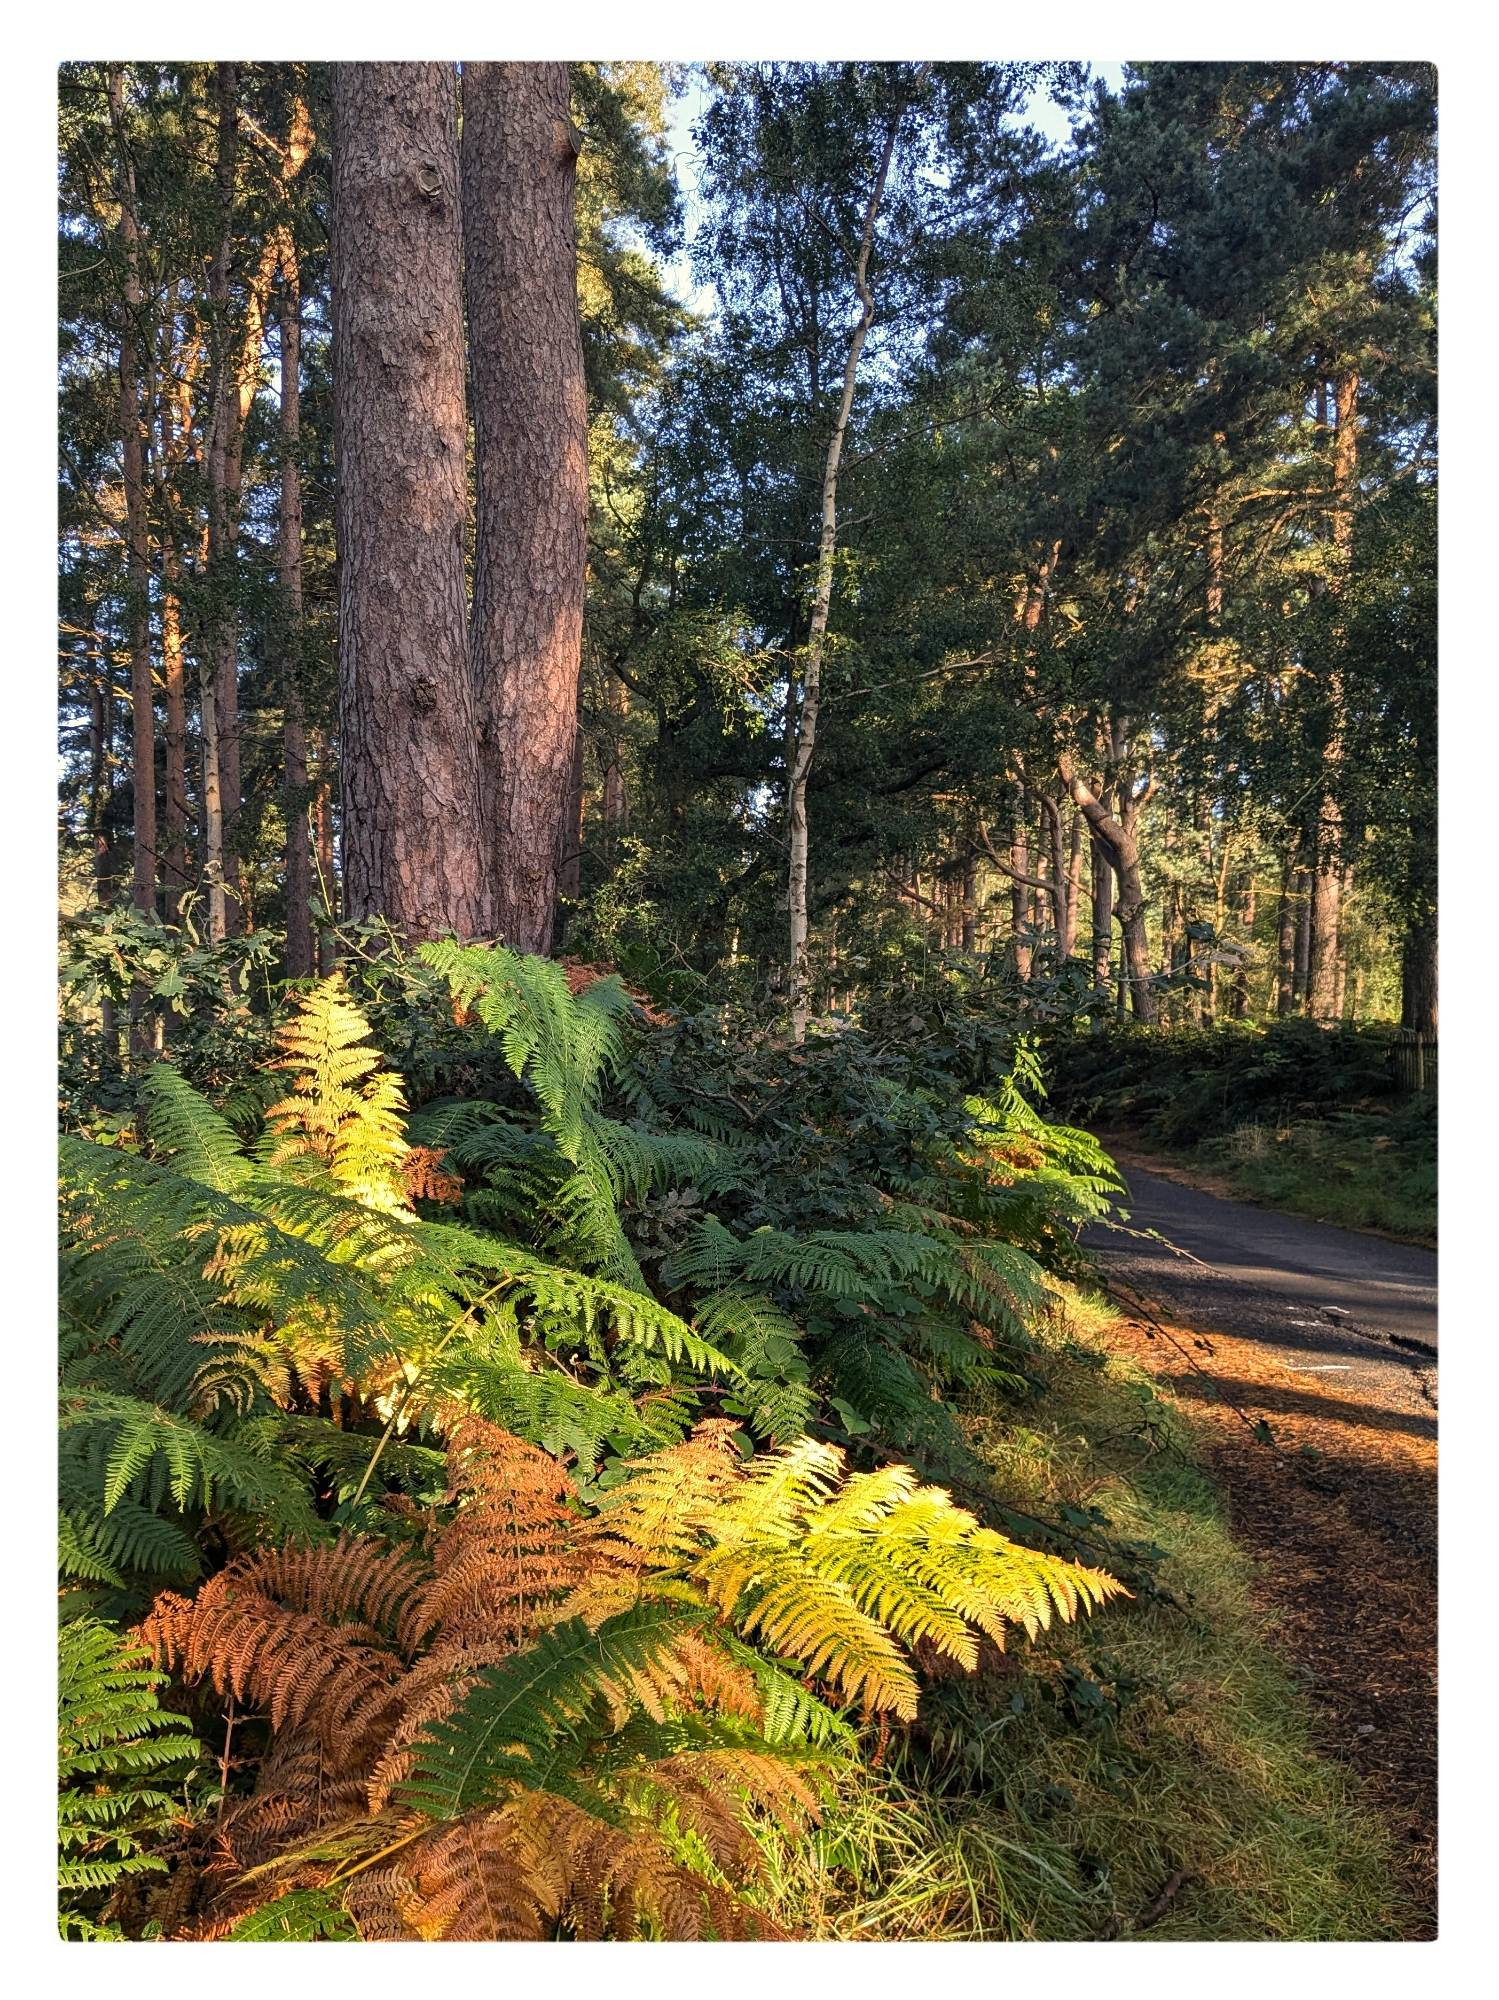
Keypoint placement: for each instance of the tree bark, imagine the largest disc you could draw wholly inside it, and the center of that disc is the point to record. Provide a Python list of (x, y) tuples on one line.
[(1020, 896), (1418, 969), (811, 688), (133, 406), (300, 962), (413, 850), (1327, 883), (1102, 916), (218, 660), (1304, 917), (1239, 992), (520, 152), (1119, 838)]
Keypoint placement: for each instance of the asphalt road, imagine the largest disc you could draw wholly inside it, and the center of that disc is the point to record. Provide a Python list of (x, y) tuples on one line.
[(1332, 1302)]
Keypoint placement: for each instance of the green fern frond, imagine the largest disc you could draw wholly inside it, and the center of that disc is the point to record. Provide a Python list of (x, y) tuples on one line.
[(301, 1916), (123, 1765), (505, 1732), (182, 1127)]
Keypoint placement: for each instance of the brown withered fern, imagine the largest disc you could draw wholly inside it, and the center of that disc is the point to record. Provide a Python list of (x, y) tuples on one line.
[(548, 1723)]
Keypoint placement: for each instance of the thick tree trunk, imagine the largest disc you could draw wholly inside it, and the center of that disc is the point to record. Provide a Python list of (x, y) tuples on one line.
[(133, 415), (1418, 968), (411, 819), (300, 962), (520, 153), (811, 688)]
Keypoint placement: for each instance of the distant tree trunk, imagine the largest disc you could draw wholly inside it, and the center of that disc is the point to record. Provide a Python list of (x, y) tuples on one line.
[(520, 152), (1327, 884), (100, 785), (1102, 911), (570, 865), (1119, 836), (175, 379), (811, 689), (300, 961), (1239, 991), (218, 661), (1304, 917), (615, 802), (133, 409), (1074, 881), (1418, 974), (323, 852), (413, 851), (174, 678), (1288, 930), (970, 901), (1061, 876), (1020, 894)]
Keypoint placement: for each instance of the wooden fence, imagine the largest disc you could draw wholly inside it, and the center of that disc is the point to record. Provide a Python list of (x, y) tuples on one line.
[(1414, 1059)]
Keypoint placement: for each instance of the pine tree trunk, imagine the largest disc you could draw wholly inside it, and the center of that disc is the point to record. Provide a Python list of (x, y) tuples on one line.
[(413, 851), (300, 961), (1327, 886), (520, 153), (133, 406), (1418, 969)]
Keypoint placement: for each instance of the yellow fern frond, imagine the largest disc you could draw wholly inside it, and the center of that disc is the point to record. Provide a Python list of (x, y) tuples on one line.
[(339, 1116)]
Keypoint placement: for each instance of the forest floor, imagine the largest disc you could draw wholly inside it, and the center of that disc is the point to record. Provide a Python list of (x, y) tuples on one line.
[(1309, 1372)]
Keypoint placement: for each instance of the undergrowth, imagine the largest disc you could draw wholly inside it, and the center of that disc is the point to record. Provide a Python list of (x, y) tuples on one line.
[(593, 1478)]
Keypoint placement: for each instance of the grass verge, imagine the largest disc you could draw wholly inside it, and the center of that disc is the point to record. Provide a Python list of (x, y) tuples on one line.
[(1362, 1171), (1150, 1772)]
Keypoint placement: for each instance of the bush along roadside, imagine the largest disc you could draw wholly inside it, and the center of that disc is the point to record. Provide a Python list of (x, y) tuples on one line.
[(1292, 1115)]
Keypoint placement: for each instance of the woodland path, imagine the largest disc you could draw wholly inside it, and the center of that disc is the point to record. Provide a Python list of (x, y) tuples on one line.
[(1307, 1355)]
